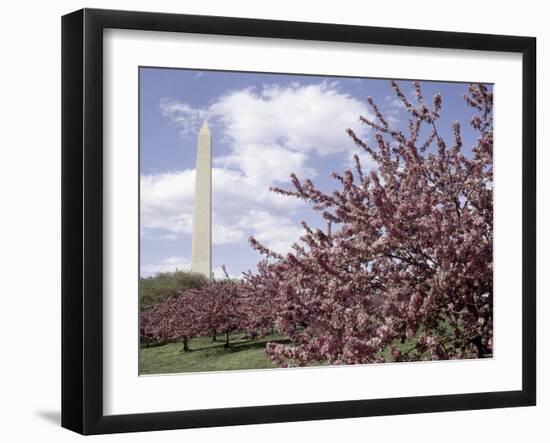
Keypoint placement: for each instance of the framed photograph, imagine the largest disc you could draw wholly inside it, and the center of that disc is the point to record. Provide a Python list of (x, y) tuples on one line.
[(269, 221)]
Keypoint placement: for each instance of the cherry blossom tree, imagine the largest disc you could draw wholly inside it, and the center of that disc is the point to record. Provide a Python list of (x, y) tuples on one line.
[(217, 308), (171, 320), (213, 308), (259, 300), (403, 270)]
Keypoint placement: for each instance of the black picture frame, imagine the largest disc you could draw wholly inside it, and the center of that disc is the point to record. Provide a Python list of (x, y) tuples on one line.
[(82, 218)]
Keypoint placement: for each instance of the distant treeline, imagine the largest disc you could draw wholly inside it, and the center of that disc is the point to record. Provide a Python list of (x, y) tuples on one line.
[(154, 290)]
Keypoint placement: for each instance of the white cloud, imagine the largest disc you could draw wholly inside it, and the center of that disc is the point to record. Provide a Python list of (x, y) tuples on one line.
[(185, 116), (167, 201), (271, 132), (220, 275), (392, 116), (395, 102), (297, 118), (240, 207), (170, 264), (274, 231), (265, 164), (154, 236), (365, 159)]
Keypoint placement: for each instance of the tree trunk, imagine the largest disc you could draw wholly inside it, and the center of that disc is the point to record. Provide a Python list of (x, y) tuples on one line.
[(214, 336), (185, 344), (481, 349), (226, 340)]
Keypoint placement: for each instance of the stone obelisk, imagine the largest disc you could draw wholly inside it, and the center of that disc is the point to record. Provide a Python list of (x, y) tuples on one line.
[(201, 246)]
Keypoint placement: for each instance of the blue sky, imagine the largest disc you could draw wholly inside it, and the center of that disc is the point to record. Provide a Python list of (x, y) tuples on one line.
[(264, 127)]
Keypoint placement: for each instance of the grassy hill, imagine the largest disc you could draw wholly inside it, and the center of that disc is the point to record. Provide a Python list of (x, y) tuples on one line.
[(206, 355)]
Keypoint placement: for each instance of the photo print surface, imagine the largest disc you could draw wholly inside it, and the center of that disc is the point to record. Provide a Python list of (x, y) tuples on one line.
[(299, 220)]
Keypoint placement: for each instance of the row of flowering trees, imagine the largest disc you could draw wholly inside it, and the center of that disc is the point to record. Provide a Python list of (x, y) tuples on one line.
[(215, 307), (212, 308), (405, 258)]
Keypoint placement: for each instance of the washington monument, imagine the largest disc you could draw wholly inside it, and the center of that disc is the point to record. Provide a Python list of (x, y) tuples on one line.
[(201, 243)]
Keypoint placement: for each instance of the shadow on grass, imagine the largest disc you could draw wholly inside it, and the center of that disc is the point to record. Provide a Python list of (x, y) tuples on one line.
[(254, 344), (237, 346)]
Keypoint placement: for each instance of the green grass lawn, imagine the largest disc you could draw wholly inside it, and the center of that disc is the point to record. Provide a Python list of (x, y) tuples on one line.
[(206, 355), (243, 353)]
